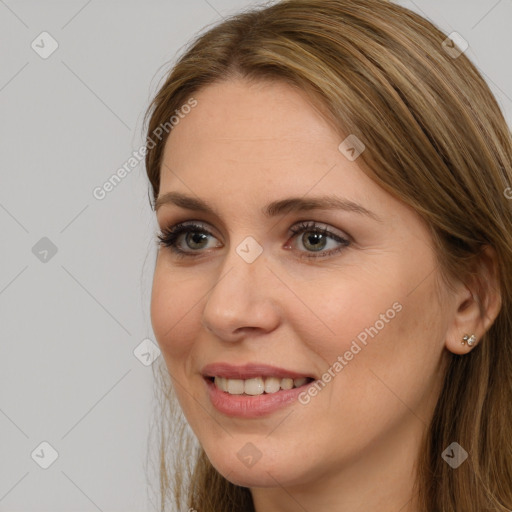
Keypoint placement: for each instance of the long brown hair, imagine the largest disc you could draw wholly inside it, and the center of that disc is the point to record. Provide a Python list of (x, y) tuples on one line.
[(436, 139)]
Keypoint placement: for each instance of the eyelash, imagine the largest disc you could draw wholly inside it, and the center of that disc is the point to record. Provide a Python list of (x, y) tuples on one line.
[(168, 237)]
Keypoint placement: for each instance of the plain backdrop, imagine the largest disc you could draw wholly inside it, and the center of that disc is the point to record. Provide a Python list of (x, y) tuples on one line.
[(75, 271)]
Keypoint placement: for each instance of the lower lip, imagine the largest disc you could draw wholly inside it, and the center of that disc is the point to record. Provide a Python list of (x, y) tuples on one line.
[(247, 406)]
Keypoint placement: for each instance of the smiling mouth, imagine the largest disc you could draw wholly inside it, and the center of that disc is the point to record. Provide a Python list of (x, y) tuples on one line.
[(258, 385)]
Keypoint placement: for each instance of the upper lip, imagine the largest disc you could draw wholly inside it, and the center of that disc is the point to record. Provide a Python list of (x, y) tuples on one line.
[(249, 371)]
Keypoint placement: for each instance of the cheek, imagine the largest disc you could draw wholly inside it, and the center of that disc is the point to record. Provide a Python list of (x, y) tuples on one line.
[(174, 307), (340, 308), (379, 328), (390, 363)]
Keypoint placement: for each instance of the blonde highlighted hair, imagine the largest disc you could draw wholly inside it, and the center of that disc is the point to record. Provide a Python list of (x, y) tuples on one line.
[(436, 139)]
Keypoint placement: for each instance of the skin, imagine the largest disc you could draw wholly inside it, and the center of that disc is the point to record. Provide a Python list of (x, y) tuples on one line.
[(353, 446)]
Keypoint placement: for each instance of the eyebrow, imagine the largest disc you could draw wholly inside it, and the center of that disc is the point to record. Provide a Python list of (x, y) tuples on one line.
[(273, 209)]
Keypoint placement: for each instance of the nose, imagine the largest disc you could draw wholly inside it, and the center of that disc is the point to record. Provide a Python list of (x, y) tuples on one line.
[(242, 299)]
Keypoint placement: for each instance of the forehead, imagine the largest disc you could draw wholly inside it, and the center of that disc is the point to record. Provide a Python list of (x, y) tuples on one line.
[(246, 144), (257, 132), (239, 107)]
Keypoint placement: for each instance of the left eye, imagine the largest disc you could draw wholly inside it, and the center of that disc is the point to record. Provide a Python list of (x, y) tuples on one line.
[(314, 239)]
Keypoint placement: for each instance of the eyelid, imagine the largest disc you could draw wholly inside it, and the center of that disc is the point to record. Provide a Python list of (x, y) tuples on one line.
[(201, 224), (293, 229), (174, 231), (170, 235), (303, 225)]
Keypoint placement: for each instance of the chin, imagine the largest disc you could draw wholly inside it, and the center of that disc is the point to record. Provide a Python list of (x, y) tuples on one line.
[(253, 477), (248, 478), (264, 472)]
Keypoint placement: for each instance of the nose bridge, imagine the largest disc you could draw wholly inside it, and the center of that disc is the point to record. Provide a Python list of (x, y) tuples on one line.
[(242, 295), (242, 274)]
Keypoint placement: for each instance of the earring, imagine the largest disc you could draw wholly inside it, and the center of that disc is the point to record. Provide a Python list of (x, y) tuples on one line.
[(469, 339)]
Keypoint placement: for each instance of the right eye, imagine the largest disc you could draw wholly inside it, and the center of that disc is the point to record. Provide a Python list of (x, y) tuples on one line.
[(195, 237)]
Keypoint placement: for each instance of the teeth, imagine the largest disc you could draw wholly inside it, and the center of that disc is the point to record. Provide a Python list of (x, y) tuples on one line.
[(272, 384), (254, 386), (258, 385), (235, 386), (300, 382), (221, 383), (287, 384)]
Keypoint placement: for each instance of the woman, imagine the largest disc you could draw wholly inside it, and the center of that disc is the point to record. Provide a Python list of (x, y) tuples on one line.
[(332, 292)]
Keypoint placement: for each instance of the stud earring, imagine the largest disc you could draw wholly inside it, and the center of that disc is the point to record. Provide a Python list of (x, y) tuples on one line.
[(471, 340)]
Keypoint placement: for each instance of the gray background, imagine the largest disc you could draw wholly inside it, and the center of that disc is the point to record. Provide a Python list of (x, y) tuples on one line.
[(69, 324)]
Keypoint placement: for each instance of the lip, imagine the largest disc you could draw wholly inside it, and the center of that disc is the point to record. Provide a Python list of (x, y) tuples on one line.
[(249, 371), (247, 406)]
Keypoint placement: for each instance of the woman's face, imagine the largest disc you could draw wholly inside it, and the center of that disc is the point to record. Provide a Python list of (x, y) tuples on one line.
[(363, 318)]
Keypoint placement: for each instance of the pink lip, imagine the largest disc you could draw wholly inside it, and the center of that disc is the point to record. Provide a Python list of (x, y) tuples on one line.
[(245, 406), (249, 371)]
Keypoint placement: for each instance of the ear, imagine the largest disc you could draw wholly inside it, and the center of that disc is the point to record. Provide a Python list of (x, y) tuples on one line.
[(477, 303)]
